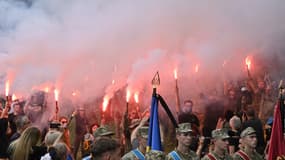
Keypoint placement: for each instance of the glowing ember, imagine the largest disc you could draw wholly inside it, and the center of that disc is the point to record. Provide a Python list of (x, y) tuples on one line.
[(46, 89), (196, 68), (56, 93), (7, 86), (14, 97), (175, 73), (128, 95), (136, 97), (248, 62), (105, 103)]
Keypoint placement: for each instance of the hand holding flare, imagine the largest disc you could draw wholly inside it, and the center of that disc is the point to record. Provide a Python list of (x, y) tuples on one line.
[(136, 97), (177, 92), (248, 65), (56, 93), (7, 86), (127, 132)]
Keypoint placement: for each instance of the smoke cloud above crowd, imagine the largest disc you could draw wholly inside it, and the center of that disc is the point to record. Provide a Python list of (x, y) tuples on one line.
[(94, 47)]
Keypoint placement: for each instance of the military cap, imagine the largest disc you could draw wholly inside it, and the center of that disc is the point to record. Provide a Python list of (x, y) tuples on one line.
[(247, 131), (143, 132), (184, 128), (220, 134), (102, 131), (154, 154)]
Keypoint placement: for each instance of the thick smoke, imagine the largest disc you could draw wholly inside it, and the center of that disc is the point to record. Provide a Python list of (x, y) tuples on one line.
[(75, 44)]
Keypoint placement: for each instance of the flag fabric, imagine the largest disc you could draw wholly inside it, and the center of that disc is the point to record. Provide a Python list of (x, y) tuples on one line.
[(277, 143), (154, 141)]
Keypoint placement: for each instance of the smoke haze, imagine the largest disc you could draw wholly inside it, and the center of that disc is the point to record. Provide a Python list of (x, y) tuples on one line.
[(82, 46)]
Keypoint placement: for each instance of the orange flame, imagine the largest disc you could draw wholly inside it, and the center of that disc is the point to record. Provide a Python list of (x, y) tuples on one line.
[(196, 68), (105, 103), (46, 89), (56, 93), (7, 86), (14, 97), (175, 73), (248, 62), (128, 95), (113, 81), (136, 97)]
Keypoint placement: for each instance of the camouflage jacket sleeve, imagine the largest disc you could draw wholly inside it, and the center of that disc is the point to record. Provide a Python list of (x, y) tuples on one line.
[(237, 157), (168, 157), (205, 158), (129, 156)]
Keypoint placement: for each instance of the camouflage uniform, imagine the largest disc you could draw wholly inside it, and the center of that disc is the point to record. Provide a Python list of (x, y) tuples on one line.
[(142, 132), (241, 153), (155, 155), (217, 157), (183, 128), (218, 134), (253, 156), (191, 155), (102, 131), (130, 156)]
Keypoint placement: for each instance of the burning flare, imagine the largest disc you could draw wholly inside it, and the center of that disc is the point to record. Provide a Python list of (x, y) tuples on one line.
[(196, 68), (175, 73), (56, 93), (248, 62), (46, 89), (128, 95), (105, 103), (136, 97), (14, 97), (7, 86)]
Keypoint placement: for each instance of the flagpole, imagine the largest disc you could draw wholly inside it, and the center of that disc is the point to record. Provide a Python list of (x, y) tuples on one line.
[(281, 101), (155, 83), (177, 93)]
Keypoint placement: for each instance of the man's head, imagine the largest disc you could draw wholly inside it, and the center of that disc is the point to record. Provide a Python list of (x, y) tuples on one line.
[(232, 94), (81, 111), (235, 122), (105, 149), (142, 136), (248, 137), (22, 122), (184, 134), (220, 139), (63, 121), (103, 131), (188, 105)]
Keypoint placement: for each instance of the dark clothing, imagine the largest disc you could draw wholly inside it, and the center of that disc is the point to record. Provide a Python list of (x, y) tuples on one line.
[(188, 117), (4, 141), (256, 124), (234, 139), (15, 136), (80, 131), (38, 152)]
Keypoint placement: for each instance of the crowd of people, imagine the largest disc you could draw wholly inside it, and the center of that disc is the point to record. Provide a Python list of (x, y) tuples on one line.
[(234, 125)]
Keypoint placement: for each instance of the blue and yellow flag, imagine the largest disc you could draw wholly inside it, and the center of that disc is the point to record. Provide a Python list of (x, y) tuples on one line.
[(154, 142)]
